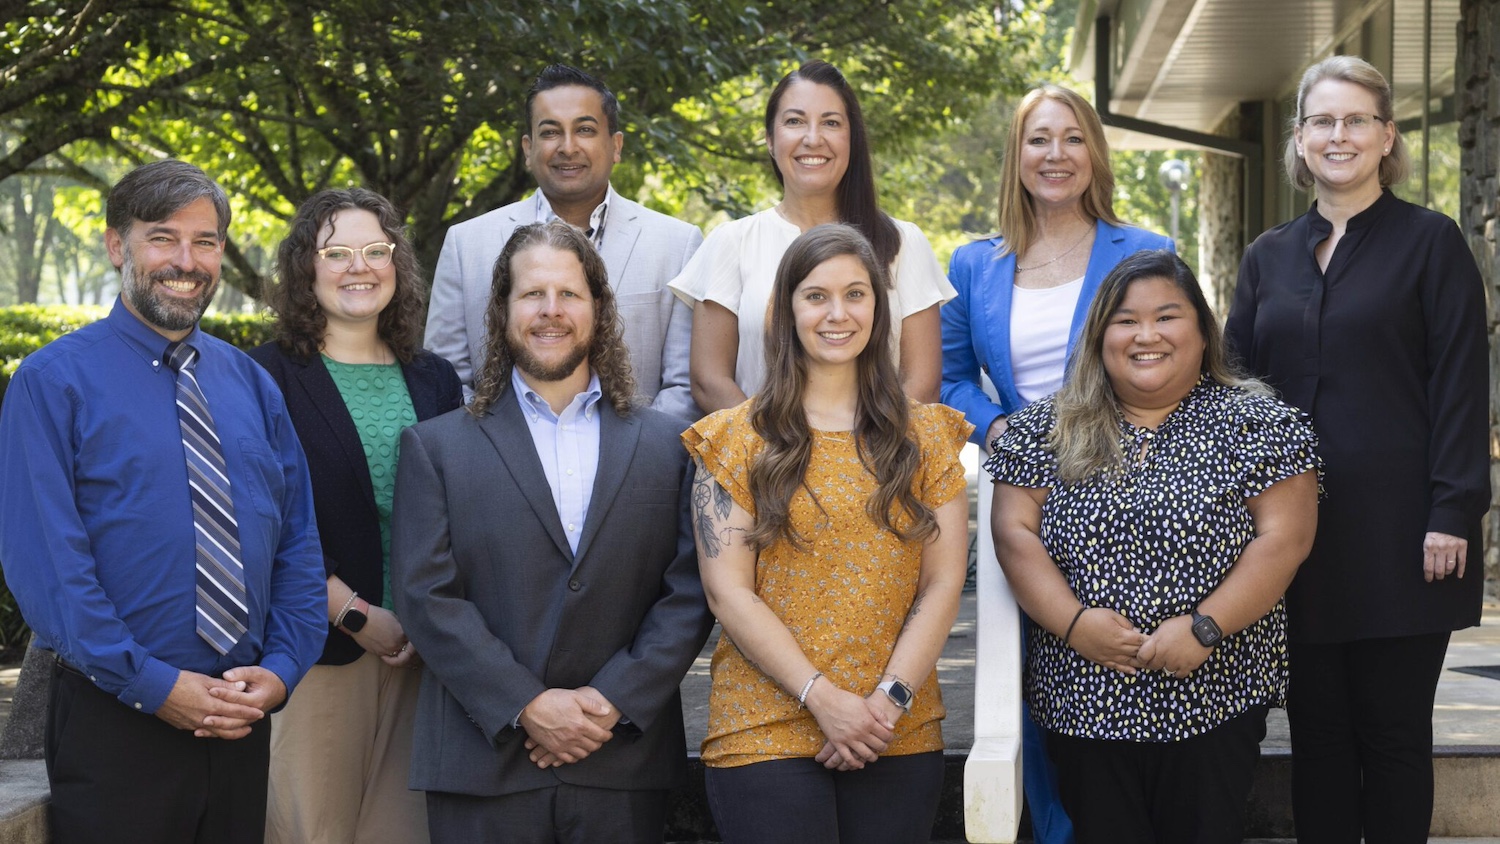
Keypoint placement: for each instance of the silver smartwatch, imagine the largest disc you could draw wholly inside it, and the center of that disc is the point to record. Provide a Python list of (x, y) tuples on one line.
[(898, 692)]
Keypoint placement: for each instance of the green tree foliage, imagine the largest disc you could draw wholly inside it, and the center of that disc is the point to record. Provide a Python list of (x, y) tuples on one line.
[(423, 100)]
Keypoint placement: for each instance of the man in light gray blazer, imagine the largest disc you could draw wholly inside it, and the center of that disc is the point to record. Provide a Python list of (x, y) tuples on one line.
[(542, 560), (572, 142)]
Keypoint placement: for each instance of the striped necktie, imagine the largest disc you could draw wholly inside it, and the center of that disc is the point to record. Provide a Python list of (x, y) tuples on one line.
[(222, 614)]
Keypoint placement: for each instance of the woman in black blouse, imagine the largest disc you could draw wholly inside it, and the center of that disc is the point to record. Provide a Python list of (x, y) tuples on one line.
[(1149, 517), (1368, 313)]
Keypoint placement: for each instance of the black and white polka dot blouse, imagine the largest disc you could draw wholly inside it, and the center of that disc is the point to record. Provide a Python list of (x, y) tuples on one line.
[(1151, 543)]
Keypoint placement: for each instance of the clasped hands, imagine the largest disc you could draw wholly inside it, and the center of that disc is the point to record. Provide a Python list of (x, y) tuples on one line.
[(857, 729), (566, 725), (215, 708), (1103, 636)]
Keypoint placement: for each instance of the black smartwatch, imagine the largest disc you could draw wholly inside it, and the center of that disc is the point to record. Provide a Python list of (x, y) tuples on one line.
[(1206, 630), (354, 620)]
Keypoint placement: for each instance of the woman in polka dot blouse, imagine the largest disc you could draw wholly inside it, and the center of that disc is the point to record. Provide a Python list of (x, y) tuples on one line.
[(349, 362), (1149, 517)]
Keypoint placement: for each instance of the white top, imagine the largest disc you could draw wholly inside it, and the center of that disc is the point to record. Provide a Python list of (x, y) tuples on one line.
[(1039, 324), (736, 267)]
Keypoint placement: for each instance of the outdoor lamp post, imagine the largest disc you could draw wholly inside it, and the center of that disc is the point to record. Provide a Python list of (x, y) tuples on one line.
[(1174, 176)]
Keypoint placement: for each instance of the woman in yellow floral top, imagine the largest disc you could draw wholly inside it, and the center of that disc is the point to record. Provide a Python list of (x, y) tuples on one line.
[(832, 538)]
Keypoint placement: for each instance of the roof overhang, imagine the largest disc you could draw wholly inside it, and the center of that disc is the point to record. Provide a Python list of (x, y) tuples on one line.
[(1191, 63)]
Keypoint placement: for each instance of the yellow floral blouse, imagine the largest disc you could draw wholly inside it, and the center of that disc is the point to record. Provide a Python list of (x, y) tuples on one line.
[(844, 598)]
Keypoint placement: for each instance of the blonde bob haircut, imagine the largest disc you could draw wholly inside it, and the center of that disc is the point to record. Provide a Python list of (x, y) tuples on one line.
[(1394, 168), (1017, 216)]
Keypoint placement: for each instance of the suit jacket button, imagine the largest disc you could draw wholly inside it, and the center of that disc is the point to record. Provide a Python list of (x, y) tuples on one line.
[(574, 585)]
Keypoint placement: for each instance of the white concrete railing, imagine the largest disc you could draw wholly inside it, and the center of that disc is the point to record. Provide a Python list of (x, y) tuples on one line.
[(992, 775)]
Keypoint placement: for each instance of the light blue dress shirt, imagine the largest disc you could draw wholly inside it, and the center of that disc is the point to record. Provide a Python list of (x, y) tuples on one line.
[(568, 445)]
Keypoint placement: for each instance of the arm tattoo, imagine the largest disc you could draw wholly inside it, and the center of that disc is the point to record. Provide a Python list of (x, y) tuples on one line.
[(704, 492), (722, 501), (711, 506), (916, 607)]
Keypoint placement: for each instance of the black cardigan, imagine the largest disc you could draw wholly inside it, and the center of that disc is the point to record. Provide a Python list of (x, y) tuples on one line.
[(1388, 352), (343, 497)]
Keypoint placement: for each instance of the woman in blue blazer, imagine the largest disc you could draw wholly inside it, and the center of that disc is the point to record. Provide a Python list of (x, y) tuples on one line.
[(1022, 298), (349, 362)]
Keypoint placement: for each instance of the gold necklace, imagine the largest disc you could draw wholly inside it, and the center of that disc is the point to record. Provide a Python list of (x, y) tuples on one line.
[(1066, 253)]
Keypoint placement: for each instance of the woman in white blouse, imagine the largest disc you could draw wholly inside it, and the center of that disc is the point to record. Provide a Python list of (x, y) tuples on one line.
[(820, 153)]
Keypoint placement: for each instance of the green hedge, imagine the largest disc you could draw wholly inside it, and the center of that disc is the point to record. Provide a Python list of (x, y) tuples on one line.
[(26, 328)]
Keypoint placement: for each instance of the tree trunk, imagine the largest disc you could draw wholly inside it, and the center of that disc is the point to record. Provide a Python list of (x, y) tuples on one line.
[(1478, 88)]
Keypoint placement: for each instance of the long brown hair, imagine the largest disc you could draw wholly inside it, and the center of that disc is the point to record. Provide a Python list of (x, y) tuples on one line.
[(608, 357), (859, 204), (300, 322), (1017, 214), (884, 444), (1086, 438)]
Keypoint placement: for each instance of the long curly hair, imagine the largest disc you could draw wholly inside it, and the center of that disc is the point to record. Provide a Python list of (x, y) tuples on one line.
[(1086, 438), (300, 322), (608, 357), (859, 204), (1017, 220), (881, 435)]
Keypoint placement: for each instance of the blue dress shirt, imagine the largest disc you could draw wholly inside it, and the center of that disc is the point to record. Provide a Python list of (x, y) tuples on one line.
[(568, 446), (96, 526)]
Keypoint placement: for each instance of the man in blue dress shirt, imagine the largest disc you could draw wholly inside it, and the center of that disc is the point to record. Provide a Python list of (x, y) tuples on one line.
[(103, 541)]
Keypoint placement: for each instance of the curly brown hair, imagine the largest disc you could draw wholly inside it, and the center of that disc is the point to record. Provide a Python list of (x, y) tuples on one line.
[(300, 322), (608, 357), (881, 435)]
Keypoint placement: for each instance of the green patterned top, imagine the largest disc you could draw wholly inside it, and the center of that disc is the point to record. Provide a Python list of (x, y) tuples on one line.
[(380, 406)]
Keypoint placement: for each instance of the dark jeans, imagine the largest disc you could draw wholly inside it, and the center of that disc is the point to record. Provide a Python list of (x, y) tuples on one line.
[(892, 801), (120, 776), (1191, 791), (1361, 718)]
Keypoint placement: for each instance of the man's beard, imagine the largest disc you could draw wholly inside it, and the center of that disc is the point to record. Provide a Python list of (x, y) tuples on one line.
[(168, 314), (539, 369)]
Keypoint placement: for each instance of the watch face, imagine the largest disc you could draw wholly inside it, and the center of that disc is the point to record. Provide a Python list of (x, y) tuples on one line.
[(354, 621), (901, 694), (1207, 631)]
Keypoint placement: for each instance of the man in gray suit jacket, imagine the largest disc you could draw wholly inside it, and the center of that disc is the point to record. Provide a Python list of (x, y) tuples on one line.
[(572, 142), (542, 559)]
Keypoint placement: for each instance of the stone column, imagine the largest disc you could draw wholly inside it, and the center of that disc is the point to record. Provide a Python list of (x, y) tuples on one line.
[(1221, 225), (1477, 80)]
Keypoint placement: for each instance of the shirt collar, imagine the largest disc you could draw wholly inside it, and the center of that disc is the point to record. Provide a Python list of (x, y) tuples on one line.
[(146, 341), (535, 407), (597, 218)]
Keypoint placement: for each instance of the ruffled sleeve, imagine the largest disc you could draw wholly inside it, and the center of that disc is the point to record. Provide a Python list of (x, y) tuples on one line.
[(941, 433), (919, 280), (1273, 441), (713, 273), (724, 443), (1023, 458)]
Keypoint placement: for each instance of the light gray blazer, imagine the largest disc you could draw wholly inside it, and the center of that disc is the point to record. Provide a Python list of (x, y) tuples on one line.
[(642, 250), (501, 609)]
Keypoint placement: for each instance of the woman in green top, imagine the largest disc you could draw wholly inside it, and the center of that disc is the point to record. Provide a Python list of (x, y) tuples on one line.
[(348, 358)]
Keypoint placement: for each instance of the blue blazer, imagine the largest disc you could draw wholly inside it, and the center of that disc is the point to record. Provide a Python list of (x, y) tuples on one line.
[(976, 324)]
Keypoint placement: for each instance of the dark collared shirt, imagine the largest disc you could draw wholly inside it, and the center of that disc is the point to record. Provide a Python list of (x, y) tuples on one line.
[(96, 526)]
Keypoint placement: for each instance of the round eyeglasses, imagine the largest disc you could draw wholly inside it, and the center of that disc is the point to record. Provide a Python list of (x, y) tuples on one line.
[(340, 258)]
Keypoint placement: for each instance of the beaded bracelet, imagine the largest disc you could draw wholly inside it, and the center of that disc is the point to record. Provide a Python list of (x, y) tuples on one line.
[(338, 620)]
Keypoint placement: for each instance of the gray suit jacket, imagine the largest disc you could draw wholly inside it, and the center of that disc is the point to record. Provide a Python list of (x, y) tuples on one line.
[(642, 249), (501, 609)]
